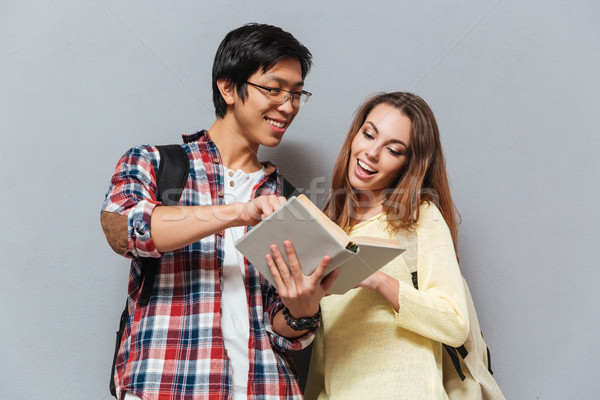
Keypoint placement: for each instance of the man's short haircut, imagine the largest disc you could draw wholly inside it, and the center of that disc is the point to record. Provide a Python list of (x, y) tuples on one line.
[(249, 48)]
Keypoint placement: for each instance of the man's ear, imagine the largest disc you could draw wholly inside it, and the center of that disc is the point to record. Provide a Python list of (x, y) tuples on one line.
[(227, 89)]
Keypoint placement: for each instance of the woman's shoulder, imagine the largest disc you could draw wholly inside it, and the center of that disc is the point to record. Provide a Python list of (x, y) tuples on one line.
[(431, 228), (431, 219), (428, 211)]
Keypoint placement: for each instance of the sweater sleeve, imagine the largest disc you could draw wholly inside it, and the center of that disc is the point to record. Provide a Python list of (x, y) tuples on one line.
[(438, 310)]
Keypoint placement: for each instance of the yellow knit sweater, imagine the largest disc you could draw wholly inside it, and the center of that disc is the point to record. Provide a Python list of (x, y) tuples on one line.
[(366, 350)]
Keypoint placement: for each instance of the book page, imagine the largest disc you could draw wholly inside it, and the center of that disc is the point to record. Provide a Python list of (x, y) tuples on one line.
[(370, 258), (337, 232), (374, 241)]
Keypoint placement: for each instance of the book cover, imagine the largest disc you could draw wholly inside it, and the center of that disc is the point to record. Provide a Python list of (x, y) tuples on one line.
[(315, 236)]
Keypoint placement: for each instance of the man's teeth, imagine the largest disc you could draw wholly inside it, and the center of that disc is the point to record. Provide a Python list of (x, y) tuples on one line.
[(365, 166), (275, 123)]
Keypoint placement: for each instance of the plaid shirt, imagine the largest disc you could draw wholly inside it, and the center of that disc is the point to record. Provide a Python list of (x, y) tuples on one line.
[(173, 347)]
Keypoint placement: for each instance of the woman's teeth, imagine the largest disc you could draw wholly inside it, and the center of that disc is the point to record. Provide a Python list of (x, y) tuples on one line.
[(366, 167), (275, 123)]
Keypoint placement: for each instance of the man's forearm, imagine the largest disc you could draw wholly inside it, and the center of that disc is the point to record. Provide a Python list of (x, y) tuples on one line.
[(174, 227)]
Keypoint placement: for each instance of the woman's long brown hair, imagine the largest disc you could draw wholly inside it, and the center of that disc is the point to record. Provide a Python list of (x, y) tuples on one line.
[(423, 177)]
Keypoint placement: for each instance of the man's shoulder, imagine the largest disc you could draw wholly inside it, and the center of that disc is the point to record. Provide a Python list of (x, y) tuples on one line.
[(142, 151)]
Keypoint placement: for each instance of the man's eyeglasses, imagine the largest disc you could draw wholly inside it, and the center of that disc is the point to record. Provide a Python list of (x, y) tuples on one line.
[(280, 96)]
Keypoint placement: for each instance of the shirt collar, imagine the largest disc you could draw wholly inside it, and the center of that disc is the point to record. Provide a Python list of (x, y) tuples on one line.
[(203, 135), (188, 138)]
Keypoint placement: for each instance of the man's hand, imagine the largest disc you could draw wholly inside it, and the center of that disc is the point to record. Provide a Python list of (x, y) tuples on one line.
[(260, 208), (301, 294)]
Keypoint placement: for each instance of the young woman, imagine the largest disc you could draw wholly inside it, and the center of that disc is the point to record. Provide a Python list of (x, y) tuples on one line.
[(383, 340)]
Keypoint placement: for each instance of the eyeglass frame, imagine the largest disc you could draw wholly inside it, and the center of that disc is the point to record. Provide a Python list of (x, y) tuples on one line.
[(289, 94)]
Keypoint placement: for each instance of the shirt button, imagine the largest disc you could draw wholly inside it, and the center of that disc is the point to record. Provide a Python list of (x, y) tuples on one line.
[(220, 233), (232, 183), (221, 194), (216, 160), (230, 173)]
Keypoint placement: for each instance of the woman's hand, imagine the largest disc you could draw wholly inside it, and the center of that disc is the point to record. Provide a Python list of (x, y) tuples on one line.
[(372, 281), (385, 285), (301, 294)]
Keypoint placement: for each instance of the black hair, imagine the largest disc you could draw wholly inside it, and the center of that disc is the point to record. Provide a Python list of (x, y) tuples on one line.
[(249, 48)]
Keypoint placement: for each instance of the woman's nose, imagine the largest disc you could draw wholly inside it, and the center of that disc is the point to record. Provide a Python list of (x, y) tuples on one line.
[(372, 153)]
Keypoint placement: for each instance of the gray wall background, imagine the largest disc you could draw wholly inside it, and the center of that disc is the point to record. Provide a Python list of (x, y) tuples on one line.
[(515, 87)]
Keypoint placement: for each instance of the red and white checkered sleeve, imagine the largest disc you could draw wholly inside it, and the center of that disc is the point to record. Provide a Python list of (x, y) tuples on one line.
[(132, 192)]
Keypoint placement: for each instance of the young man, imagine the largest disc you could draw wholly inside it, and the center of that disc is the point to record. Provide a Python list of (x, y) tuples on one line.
[(214, 328)]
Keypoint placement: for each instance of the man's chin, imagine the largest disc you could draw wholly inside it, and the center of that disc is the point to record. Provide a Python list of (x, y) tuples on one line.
[(272, 142)]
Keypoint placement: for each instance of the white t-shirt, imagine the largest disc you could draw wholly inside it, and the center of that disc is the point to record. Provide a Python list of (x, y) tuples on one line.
[(234, 303)]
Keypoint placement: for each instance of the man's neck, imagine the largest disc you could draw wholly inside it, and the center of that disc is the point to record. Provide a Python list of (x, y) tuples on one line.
[(236, 152)]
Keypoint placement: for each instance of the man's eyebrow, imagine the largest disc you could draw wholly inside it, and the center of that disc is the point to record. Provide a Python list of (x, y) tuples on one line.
[(284, 82)]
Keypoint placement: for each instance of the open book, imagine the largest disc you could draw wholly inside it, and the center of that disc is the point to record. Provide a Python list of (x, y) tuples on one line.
[(315, 236)]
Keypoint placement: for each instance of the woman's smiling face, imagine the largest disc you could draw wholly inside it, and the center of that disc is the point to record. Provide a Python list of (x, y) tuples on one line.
[(379, 150)]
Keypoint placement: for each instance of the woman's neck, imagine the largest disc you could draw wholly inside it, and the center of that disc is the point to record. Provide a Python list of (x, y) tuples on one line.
[(363, 214), (369, 205)]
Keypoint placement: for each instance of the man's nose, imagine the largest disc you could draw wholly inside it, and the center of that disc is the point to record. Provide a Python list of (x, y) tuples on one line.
[(287, 105)]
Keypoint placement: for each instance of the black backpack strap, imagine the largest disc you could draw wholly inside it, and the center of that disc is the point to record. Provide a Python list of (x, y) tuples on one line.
[(453, 353), (287, 189), (171, 177), (415, 280), (489, 360), (172, 174), (149, 270)]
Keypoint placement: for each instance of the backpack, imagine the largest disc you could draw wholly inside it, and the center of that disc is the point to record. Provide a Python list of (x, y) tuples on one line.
[(467, 372), (172, 174)]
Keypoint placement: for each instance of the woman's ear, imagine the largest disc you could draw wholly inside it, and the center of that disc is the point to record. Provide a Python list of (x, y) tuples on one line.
[(227, 89)]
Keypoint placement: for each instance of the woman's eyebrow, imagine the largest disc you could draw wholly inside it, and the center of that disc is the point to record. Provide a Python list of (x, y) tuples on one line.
[(398, 141), (391, 140), (373, 125)]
